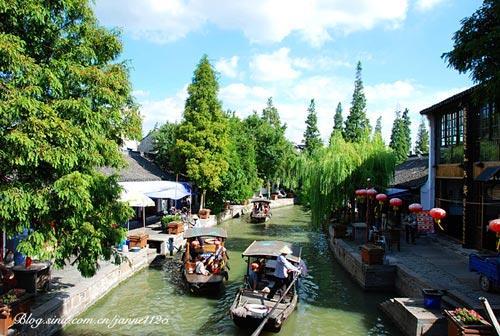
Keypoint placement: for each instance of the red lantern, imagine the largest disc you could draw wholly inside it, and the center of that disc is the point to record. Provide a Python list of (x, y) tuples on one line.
[(494, 226), (438, 214), (381, 198), (395, 203), (360, 193), (371, 193), (415, 207)]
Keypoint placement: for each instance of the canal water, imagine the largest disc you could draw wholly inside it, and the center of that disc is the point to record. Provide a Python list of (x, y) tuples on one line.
[(330, 303)]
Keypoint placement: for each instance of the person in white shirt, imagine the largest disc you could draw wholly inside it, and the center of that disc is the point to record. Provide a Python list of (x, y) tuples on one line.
[(281, 277), (200, 267)]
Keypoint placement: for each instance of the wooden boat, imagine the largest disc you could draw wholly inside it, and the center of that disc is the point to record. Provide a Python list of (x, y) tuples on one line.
[(206, 247), (251, 307), (261, 210)]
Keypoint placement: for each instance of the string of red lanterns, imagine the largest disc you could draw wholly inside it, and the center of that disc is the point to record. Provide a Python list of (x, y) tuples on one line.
[(494, 225)]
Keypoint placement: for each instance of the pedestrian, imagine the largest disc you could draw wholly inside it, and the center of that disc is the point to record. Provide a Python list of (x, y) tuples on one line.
[(281, 276), (410, 228)]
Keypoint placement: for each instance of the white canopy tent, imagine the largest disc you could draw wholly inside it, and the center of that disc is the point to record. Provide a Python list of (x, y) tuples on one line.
[(137, 199), (157, 189)]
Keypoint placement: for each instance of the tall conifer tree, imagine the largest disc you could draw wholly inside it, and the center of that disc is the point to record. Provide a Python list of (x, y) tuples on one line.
[(357, 125), (422, 142), (312, 137), (338, 122), (202, 137), (401, 136)]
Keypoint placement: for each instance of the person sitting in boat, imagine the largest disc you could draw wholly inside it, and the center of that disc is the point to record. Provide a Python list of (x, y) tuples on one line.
[(193, 246), (220, 251), (281, 277), (253, 276), (200, 266)]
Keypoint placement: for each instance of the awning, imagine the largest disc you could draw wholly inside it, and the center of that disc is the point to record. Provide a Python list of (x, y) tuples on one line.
[(260, 200), (158, 189), (272, 248), (396, 192), (205, 232), (136, 199), (488, 174)]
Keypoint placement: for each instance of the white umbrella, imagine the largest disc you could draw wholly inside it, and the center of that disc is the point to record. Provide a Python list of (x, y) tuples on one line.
[(136, 199), (175, 193)]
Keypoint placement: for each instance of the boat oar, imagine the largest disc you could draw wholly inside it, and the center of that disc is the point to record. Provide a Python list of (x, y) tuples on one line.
[(490, 313), (263, 323)]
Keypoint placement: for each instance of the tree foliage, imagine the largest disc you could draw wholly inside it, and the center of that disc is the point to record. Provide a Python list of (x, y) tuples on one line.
[(338, 122), (377, 134), (312, 137), (401, 136), (241, 180), (422, 142), (202, 137), (330, 176), (272, 148), (65, 106), (357, 125), (164, 141), (476, 48)]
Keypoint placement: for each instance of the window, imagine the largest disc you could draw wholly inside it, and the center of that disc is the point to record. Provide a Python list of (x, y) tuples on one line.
[(489, 133), (452, 137)]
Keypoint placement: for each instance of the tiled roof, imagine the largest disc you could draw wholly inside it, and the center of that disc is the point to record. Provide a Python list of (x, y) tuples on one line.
[(412, 173), (139, 169), (447, 101)]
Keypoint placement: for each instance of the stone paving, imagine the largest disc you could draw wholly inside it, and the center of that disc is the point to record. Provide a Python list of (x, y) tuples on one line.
[(443, 264)]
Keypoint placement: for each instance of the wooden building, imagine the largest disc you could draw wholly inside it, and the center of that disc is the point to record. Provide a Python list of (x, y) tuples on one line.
[(464, 161)]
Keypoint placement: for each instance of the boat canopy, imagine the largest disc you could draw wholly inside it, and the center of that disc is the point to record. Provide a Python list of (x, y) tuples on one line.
[(273, 248), (205, 232), (261, 200)]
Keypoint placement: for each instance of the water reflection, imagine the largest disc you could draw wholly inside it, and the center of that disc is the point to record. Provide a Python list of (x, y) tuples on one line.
[(330, 303)]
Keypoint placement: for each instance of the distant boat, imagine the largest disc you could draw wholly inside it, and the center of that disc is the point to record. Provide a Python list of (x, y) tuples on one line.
[(202, 243), (251, 307), (261, 210)]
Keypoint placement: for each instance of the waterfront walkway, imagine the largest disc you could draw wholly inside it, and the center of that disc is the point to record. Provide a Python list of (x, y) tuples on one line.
[(441, 263)]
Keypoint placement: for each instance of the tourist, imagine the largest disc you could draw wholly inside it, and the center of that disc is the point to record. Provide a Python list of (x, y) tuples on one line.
[(193, 246), (220, 251), (253, 276), (281, 278), (200, 266), (410, 228)]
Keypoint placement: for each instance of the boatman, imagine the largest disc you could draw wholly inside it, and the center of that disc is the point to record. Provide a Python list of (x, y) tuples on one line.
[(281, 277)]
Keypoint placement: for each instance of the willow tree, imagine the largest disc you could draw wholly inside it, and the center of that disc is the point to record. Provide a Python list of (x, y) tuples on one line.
[(333, 173), (202, 136), (65, 106)]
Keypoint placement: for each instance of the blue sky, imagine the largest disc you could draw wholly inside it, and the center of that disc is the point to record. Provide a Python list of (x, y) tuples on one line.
[(292, 50)]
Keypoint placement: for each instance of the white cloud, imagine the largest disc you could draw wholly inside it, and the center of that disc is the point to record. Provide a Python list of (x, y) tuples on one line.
[(425, 5), (228, 67), (273, 67), (157, 112), (260, 20), (139, 94), (384, 91)]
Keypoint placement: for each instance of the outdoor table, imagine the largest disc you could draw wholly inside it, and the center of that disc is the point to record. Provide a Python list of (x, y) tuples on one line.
[(34, 277)]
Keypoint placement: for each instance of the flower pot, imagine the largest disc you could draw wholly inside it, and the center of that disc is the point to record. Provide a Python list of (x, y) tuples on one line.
[(458, 328), (372, 254), (204, 213)]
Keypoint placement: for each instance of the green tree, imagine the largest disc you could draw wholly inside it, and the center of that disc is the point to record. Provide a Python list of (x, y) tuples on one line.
[(241, 180), (65, 106), (476, 48), (338, 122), (377, 134), (422, 142), (164, 141), (273, 150), (312, 137), (202, 137), (401, 136), (357, 125)]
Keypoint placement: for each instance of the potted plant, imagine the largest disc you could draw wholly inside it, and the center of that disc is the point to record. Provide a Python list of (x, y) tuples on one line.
[(167, 219), (11, 304), (204, 213), (463, 321)]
